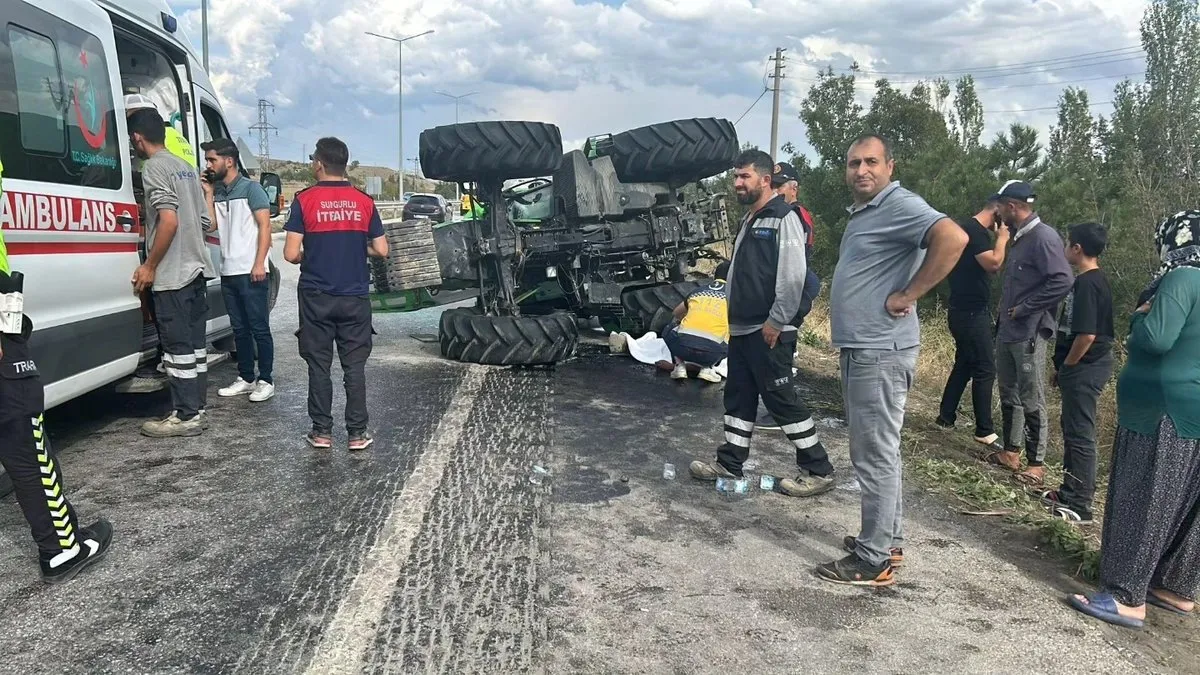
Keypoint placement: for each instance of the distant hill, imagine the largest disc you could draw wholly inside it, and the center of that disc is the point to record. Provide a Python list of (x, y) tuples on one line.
[(298, 175)]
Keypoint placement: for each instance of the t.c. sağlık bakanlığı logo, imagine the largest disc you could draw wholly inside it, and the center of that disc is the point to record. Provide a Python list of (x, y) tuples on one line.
[(91, 118)]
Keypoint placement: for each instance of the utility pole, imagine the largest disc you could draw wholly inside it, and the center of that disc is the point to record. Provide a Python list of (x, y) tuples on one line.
[(263, 128), (204, 32), (457, 194), (776, 88), (400, 101)]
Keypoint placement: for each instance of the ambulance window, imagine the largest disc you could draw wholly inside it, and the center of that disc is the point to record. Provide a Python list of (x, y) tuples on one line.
[(213, 126), (60, 126), (39, 92)]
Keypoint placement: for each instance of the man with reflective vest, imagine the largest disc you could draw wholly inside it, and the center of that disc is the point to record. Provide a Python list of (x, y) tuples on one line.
[(175, 143), (64, 548)]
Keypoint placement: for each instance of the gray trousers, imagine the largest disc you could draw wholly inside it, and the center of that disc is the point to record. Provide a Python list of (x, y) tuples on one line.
[(875, 384), (1081, 385), (1021, 374), (181, 317)]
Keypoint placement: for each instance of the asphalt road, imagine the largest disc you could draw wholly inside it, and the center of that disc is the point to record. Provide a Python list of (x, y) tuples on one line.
[(245, 551)]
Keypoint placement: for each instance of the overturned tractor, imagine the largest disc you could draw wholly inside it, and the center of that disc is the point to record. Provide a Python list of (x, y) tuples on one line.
[(606, 233)]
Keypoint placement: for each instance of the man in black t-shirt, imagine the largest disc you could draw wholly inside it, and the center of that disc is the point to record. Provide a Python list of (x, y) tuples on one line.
[(1083, 363), (970, 321)]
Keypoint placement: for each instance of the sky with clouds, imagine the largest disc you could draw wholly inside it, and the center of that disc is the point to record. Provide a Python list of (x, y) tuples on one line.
[(600, 66)]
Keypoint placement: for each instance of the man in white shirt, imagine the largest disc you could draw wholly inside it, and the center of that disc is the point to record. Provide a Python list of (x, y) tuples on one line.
[(242, 213)]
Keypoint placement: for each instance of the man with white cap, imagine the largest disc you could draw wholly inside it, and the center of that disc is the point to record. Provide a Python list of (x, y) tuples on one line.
[(1037, 277), (176, 144)]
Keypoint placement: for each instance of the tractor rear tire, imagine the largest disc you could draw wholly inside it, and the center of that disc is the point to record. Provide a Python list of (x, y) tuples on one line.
[(678, 152), (498, 150), (652, 308), (468, 336)]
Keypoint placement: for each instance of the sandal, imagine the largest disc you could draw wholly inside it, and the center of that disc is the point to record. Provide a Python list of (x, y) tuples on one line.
[(1032, 476), (1104, 607), (1163, 604), (1000, 458)]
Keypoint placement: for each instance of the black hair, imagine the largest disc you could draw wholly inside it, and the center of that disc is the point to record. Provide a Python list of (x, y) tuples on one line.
[(761, 161), (333, 154), (887, 145), (149, 124), (1091, 237), (223, 147), (722, 271)]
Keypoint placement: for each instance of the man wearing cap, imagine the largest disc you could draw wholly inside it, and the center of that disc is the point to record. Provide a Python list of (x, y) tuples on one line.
[(1036, 279), (176, 144), (242, 212)]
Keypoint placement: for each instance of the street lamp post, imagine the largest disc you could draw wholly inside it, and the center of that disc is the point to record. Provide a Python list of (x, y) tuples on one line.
[(204, 32), (400, 99), (458, 98)]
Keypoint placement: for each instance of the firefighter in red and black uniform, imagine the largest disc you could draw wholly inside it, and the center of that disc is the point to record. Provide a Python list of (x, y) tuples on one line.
[(64, 547), (331, 229)]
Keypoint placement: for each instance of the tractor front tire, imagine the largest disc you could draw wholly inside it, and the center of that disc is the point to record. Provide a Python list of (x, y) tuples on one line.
[(652, 308), (467, 336), (500, 150)]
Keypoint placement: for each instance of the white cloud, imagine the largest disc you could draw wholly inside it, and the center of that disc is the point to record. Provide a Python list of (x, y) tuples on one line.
[(598, 67)]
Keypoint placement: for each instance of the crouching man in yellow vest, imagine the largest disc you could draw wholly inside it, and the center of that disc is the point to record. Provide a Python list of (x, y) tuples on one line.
[(176, 144)]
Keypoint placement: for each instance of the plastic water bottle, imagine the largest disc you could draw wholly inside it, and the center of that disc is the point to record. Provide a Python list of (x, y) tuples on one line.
[(538, 475), (668, 471), (766, 483)]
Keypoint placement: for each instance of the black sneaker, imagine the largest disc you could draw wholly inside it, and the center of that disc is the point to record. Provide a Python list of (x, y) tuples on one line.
[(319, 439), (895, 555), (854, 571), (360, 440), (94, 541), (1071, 515), (943, 423)]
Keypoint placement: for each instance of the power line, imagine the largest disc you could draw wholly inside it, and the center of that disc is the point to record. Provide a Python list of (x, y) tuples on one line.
[(1021, 65), (1049, 107), (760, 97)]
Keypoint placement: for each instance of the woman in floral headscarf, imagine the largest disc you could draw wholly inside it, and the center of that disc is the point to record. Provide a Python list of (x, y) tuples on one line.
[(1151, 547)]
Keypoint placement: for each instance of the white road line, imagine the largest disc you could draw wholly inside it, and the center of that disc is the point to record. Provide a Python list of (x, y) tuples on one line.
[(344, 644)]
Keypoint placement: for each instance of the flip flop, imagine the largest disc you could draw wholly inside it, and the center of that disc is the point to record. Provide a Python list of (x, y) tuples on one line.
[(1104, 607), (1029, 479), (993, 458), (1163, 604)]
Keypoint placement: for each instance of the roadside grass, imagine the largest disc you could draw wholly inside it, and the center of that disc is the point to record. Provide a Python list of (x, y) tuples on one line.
[(949, 462)]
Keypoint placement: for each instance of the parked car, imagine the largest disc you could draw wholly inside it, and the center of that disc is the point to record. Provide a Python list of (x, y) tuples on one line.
[(424, 205)]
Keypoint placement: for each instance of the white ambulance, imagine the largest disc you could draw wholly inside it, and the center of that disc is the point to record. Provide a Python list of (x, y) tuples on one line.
[(70, 213)]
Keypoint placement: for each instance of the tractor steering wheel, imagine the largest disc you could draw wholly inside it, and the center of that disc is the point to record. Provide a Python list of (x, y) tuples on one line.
[(531, 185)]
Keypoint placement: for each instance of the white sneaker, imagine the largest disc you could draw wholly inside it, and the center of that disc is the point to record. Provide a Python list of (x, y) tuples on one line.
[(238, 388), (262, 391), (616, 343), (680, 372), (709, 375)]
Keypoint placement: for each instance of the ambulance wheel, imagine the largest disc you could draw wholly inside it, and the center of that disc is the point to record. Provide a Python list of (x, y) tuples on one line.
[(467, 336), (652, 308)]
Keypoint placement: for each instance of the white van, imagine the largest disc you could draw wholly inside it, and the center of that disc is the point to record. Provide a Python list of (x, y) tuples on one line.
[(70, 211)]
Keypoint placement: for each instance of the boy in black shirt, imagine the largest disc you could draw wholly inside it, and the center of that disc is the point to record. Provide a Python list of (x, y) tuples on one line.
[(1083, 363)]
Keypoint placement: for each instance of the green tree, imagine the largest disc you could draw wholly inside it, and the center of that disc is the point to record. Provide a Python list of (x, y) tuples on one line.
[(966, 120), (1017, 154), (831, 116)]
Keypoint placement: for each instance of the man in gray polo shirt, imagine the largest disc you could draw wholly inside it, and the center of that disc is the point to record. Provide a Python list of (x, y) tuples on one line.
[(895, 249), (1036, 279)]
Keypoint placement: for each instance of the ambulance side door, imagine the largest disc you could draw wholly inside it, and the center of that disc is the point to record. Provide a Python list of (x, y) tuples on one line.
[(68, 210)]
